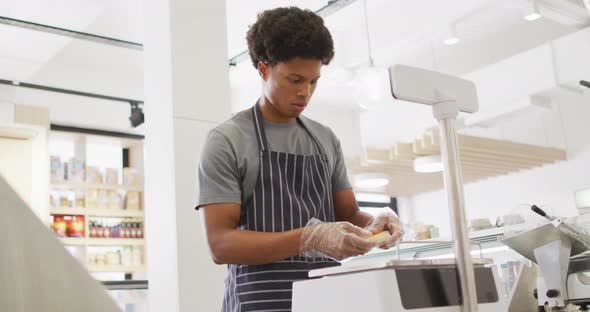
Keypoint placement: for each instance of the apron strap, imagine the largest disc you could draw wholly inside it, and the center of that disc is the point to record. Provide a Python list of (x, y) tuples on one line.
[(258, 127), (261, 135)]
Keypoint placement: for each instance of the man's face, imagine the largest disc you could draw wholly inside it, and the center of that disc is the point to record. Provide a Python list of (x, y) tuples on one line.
[(289, 85)]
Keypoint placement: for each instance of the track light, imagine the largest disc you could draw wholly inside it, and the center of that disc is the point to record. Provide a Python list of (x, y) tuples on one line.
[(136, 117)]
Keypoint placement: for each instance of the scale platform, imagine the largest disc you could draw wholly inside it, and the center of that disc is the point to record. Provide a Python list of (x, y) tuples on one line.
[(395, 285)]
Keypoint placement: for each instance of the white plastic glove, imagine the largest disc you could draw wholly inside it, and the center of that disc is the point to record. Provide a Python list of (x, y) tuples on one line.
[(387, 221), (337, 240)]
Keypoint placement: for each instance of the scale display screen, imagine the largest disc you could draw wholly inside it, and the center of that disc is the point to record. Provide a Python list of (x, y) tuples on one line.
[(440, 287)]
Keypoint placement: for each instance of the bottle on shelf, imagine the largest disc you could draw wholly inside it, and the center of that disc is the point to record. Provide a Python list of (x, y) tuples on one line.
[(140, 230), (92, 225), (100, 230), (107, 229), (133, 229)]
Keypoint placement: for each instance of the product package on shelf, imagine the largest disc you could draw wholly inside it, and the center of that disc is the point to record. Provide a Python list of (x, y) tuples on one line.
[(114, 200), (126, 256), (103, 201), (131, 177), (92, 199), (57, 169), (64, 200), (80, 200), (93, 175), (68, 226), (133, 200), (111, 176), (76, 170)]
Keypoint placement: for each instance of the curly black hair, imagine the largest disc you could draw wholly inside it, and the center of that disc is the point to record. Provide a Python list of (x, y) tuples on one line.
[(282, 34)]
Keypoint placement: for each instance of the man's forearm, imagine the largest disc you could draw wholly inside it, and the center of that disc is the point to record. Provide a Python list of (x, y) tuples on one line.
[(252, 248)]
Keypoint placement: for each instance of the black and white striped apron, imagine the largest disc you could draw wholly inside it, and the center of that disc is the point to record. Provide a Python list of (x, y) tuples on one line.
[(290, 190)]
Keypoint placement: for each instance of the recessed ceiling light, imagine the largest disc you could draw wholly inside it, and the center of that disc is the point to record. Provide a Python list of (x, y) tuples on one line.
[(371, 180), (451, 41), (428, 164)]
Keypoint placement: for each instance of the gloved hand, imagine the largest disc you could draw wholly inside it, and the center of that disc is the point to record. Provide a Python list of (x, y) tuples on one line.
[(337, 240), (387, 221)]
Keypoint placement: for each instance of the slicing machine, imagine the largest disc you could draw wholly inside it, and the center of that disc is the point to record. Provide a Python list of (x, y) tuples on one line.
[(560, 251)]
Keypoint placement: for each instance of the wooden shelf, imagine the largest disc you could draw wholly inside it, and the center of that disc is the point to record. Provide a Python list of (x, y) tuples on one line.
[(84, 185), (77, 241), (97, 212), (68, 211), (115, 241), (73, 241), (115, 268), (114, 213)]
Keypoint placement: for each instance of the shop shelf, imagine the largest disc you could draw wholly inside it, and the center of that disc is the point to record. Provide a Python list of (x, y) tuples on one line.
[(115, 241), (115, 268), (73, 241), (114, 213), (69, 185), (67, 211), (97, 212)]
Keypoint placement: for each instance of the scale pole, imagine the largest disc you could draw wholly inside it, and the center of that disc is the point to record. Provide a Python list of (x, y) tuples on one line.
[(455, 199)]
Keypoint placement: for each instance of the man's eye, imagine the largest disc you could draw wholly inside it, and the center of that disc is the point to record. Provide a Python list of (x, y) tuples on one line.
[(294, 80)]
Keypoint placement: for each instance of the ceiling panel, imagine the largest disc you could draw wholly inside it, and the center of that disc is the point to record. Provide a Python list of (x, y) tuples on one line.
[(110, 18)]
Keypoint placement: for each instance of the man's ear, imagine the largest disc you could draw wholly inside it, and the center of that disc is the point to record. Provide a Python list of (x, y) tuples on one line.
[(263, 70)]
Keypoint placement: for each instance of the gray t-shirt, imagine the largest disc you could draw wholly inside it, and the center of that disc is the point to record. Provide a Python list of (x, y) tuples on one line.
[(229, 164)]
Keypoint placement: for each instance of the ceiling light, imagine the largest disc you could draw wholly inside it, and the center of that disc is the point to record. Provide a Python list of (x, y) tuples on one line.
[(370, 82), (532, 11), (452, 41), (451, 37), (428, 164), (371, 180), (533, 16)]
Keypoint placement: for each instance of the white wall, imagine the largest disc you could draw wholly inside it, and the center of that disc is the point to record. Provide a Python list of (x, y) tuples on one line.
[(186, 93), (24, 163), (552, 185), (16, 166)]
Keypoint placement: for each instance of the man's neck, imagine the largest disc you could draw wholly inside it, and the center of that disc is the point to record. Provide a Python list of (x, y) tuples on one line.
[(269, 113)]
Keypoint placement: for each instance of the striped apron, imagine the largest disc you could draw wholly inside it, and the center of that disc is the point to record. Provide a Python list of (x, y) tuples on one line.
[(290, 190)]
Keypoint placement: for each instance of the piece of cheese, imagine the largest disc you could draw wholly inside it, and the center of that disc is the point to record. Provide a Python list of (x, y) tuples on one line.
[(379, 238)]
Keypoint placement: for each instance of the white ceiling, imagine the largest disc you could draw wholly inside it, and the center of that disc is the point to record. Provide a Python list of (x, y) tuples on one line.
[(401, 31)]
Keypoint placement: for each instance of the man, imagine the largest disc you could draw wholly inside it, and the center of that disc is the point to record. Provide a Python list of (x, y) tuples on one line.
[(273, 187)]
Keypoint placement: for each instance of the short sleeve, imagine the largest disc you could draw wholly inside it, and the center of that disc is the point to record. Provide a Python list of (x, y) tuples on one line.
[(339, 175), (218, 175)]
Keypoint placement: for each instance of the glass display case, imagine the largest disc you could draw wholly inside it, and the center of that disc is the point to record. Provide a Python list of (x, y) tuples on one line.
[(484, 244)]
